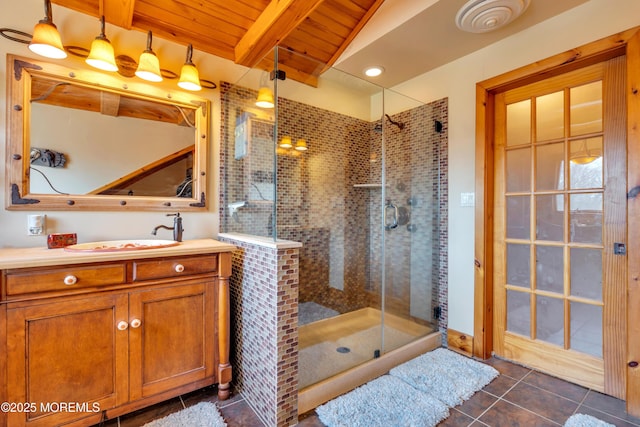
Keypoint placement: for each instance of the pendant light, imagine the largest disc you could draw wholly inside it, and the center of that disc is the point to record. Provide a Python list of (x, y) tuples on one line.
[(301, 145), (148, 65), (101, 55), (189, 78), (265, 96), (46, 38), (285, 142), (585, 155)]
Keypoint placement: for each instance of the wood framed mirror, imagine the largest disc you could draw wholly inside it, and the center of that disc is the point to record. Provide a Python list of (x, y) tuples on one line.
[(79, 139)]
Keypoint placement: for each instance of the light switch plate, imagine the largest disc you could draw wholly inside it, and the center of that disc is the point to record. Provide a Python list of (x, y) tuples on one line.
[(467, 199)]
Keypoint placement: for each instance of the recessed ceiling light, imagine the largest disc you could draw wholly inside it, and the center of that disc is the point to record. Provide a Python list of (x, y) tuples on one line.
[(373, 71)]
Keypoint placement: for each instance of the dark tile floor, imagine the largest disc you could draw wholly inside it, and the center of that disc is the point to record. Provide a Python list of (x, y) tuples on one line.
[(518, 397)]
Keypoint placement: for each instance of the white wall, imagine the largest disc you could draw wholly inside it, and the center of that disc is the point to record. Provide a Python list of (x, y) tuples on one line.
[(591, 21)]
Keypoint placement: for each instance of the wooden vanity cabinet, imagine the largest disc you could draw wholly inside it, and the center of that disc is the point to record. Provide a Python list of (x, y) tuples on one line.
[(110, 348)]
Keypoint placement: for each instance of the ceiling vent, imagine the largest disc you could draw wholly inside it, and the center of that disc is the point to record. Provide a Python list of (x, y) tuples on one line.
[(480, 16)]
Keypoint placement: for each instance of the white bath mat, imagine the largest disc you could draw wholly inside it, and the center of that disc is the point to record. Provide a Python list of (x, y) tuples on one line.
[(204, 414), (582, 420), (447, 375), (384, 402)]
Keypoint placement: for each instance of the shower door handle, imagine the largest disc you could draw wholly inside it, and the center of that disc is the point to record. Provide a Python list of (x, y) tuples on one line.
[(394, 221)]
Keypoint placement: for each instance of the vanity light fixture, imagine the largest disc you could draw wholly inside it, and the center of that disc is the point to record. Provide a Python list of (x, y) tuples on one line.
[(101, 55), (301, 145), (285, 142), (373, 71), (148, 65), (189, 78), (46, 39), (265, 96)]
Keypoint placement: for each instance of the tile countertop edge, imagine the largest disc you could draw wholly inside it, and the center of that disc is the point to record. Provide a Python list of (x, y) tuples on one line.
[(42, 256)]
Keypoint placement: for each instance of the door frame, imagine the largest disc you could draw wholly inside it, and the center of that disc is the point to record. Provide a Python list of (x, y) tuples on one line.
[(624, 43)]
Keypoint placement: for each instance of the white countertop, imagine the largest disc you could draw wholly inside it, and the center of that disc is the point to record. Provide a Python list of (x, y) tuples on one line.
[(42, 256)]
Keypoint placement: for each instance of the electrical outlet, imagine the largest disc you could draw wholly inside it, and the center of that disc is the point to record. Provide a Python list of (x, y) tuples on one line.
[(36, 225)]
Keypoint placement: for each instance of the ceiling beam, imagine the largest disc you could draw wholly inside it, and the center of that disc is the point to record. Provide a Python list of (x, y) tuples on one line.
[(275, 23), (118, 12)]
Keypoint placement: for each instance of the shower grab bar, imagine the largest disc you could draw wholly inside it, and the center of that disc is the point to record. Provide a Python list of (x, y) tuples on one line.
[(394, 222)]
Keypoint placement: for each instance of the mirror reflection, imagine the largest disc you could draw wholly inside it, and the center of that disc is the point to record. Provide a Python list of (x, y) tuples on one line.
[(102, 143), (89, 141)]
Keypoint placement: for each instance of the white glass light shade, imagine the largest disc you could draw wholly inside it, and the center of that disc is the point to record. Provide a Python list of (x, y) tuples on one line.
[(301, 145), (285, 142), (265, 98), (149, 67), (46, 41), (101, 55), (189, 78)]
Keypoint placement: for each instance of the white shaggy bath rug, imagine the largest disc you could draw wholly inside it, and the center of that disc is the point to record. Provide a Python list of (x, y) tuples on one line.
[(449, 376), (383, 402), (582, 420), (204, 414)]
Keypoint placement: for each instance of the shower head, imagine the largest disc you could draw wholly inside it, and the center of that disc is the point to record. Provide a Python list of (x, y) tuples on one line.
[(399, 124)]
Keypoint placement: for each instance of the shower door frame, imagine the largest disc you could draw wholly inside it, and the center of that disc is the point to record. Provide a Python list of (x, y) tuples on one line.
[(625, 43)]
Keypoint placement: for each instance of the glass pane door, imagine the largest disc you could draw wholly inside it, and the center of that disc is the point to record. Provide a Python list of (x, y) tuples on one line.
[(553, 195)]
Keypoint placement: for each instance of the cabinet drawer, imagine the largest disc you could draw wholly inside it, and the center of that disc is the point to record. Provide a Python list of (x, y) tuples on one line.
[(174, 267), (27, 281)]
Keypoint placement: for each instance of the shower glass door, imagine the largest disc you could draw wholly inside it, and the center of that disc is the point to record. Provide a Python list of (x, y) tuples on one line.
[(408, 223), (352, 171)]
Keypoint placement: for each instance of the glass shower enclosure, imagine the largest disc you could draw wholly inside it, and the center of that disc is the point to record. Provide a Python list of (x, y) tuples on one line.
[(353, 172)]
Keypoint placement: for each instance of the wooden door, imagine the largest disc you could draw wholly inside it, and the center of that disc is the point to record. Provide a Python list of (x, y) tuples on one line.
[(560, 226), (171, 332), (67, 351)]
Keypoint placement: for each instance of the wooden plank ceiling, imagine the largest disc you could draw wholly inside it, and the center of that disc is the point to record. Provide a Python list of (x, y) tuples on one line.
[(246, 31)]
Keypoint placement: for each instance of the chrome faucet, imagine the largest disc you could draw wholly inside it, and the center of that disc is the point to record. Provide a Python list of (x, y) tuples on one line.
[(177, 227)]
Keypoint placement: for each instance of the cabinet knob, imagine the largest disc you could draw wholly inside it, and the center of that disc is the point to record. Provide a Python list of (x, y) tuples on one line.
[(135, 323), (70, 280), (122, 325), (179, 268)]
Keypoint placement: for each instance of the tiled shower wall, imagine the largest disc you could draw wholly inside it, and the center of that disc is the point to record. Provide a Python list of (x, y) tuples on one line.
[(338, 223), (264, 328), (329, 215), (416, 250)]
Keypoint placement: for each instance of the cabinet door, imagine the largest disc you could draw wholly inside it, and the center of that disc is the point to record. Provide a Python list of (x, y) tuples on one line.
[(67, 352), (171, 337)]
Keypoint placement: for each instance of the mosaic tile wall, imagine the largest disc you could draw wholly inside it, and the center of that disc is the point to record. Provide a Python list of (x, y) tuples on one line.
[(415, 250), (264, 330), (329, 215), (339, 224)]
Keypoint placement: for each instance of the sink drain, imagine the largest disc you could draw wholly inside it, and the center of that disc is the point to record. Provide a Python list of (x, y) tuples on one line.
[(343, 349)]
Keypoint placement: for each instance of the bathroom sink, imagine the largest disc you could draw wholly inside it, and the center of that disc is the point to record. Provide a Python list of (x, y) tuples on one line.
[(120, 245)]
